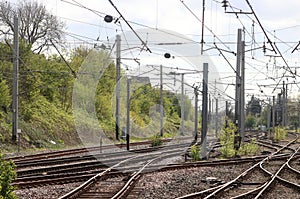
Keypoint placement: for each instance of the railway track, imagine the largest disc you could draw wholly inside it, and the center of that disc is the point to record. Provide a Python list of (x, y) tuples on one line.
[(79, 171), (117, 177), (76, 151), (119, 186), (261, 177)]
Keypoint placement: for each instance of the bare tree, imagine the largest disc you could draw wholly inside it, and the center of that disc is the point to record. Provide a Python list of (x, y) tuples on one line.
[(37, 26)]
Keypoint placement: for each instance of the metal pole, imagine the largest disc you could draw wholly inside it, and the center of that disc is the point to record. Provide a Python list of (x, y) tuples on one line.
[(273, 118), (196, 113), (299, 119), (161, 102), (182, 104), (204, 110), (118, 69), (286, 105), (269, 115), (128, 115), (237, 80), (19, 140), (242, 90), (202, 35), (216, 122), (261, 112), (226, 114), (15, 108), (209, 107), (283, 105), (238, 91)]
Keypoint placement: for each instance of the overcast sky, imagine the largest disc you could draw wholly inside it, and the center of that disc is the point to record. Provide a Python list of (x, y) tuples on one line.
[(280, 19)]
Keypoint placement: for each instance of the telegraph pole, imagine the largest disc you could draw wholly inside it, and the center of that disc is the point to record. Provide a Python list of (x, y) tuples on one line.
[(161, 102), (15, 105), (118, 72), (204, 110), (182, 104), (128, 114)]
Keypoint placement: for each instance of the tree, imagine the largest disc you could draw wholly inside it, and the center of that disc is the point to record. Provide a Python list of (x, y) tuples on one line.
[(37, 26), (253, 106), (250, 121)]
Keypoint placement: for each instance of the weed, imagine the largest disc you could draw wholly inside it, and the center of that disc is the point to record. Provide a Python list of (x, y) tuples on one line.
[(195, 153)]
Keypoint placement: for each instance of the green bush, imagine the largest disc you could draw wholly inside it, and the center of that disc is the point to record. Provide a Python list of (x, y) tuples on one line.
[(7, 175), (195, 153), (227, 140), (249, 149), (156, 140), (280, 133)]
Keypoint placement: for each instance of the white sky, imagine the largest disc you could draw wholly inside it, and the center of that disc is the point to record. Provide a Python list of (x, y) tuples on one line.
[(281, 20)]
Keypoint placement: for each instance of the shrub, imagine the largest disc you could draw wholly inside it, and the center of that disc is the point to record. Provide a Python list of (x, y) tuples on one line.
[(7, 175), (156, 140), (195, 153), (280, 133), (227, 140), (249, 149)]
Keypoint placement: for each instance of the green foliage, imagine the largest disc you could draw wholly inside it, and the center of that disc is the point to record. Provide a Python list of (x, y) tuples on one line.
[(195, 153), (250, 121), (280, 133), (249, 148), (5, 97), (156, 140), (7, 175), (253, 106), (46, 86), (227, 140)]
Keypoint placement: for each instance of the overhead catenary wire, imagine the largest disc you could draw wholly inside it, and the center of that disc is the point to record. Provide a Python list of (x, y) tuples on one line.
[(73, 71), (186, 6), (128, 24)]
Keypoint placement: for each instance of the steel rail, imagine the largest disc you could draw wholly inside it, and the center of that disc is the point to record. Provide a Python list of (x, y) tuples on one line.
[(92, 180), (229, 183), (276, 174)]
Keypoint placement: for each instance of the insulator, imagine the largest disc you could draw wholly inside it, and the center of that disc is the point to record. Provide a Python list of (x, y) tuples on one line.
[(108, 18), (225, 4), (167, 55)]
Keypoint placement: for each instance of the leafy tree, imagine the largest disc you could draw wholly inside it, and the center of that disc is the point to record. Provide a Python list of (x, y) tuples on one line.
[(250, 121), (253, 106), (7, 175), (37, 26)]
